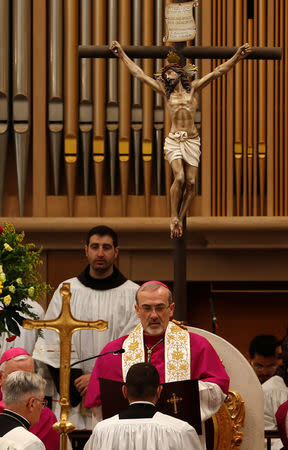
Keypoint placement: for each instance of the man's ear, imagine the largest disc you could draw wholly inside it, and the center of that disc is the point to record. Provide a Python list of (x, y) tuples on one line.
[(172, 307), (116, 253), (137, 310), (30, 403), (2, 378), (86, 249), (124, 391), (158, 392)]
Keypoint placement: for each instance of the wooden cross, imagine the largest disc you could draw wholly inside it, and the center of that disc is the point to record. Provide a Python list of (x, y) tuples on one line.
[(65, 325), (153, 52), (142, 51), (174, 399)]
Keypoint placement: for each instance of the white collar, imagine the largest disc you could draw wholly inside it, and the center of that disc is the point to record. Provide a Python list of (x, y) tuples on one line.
[(142, 401)]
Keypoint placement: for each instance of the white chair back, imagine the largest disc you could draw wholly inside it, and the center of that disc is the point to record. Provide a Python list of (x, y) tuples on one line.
[(244, 381)]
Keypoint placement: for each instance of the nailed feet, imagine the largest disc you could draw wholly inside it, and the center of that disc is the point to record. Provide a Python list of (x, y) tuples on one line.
[(175, 228)]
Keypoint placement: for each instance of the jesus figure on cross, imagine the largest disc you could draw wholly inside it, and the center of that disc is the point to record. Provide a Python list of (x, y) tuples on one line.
[(182, 145)]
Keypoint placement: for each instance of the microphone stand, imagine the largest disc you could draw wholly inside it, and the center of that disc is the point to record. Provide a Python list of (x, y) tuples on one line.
[(213, 313), (115, 352)]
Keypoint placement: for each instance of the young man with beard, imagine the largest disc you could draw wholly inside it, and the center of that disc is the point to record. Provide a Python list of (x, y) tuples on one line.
[(101, 291), (177, 354), (182, 145)]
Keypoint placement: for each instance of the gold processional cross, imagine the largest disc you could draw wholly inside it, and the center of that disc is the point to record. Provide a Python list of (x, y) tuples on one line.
[(174, 399), (65, 325)]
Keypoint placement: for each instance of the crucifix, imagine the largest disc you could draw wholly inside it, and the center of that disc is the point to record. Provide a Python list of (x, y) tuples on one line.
[(183, 139), (174, 399), (65, 325)]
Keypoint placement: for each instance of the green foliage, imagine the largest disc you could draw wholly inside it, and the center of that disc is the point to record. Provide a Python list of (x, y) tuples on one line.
[(19, 279)]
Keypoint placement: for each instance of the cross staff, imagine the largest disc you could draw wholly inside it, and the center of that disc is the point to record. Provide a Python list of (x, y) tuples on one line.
[(65, 325)]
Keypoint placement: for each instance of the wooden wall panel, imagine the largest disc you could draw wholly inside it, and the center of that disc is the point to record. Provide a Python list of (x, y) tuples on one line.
[(64, 264), (240, 316), (236, 312)]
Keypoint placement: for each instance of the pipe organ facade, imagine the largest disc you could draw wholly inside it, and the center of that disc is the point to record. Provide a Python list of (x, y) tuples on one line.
[(81, 137)]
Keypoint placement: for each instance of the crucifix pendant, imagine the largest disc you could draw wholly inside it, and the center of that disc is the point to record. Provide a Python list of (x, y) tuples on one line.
[(149, 353), (150, 350)]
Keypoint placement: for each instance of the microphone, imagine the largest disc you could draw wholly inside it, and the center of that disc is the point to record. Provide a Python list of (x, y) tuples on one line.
[(115, 352), (214, 318)]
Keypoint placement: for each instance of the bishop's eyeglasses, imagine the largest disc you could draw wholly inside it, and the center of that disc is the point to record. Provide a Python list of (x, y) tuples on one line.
[(158, 308)]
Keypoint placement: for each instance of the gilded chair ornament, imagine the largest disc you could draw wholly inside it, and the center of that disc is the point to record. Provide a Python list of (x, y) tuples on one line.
[(228, 422)]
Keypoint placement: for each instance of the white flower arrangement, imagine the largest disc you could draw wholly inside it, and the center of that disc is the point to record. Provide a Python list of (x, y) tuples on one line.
[(19, 279)]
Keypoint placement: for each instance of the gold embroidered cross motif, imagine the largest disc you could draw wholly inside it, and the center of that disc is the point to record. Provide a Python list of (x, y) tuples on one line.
[(133, 345), (183, 366), (174, 329), (171, 366), (177, 355), (174, 337), (133, 356), (174, 399)]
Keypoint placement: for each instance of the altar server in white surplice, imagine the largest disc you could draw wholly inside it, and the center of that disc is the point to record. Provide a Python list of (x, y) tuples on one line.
[(141, 427), (275, 393), (101, 291)]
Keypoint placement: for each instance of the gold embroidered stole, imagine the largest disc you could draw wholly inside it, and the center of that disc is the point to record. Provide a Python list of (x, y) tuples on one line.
[(177, 352)]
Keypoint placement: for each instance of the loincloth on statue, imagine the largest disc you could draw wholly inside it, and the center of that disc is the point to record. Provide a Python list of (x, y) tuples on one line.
[(178, 145)]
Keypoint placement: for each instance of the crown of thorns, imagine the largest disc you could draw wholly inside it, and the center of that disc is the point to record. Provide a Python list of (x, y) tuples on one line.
[(173, 60)]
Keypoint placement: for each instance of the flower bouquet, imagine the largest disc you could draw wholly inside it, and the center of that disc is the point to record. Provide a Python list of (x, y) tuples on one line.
[(19, 280)]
